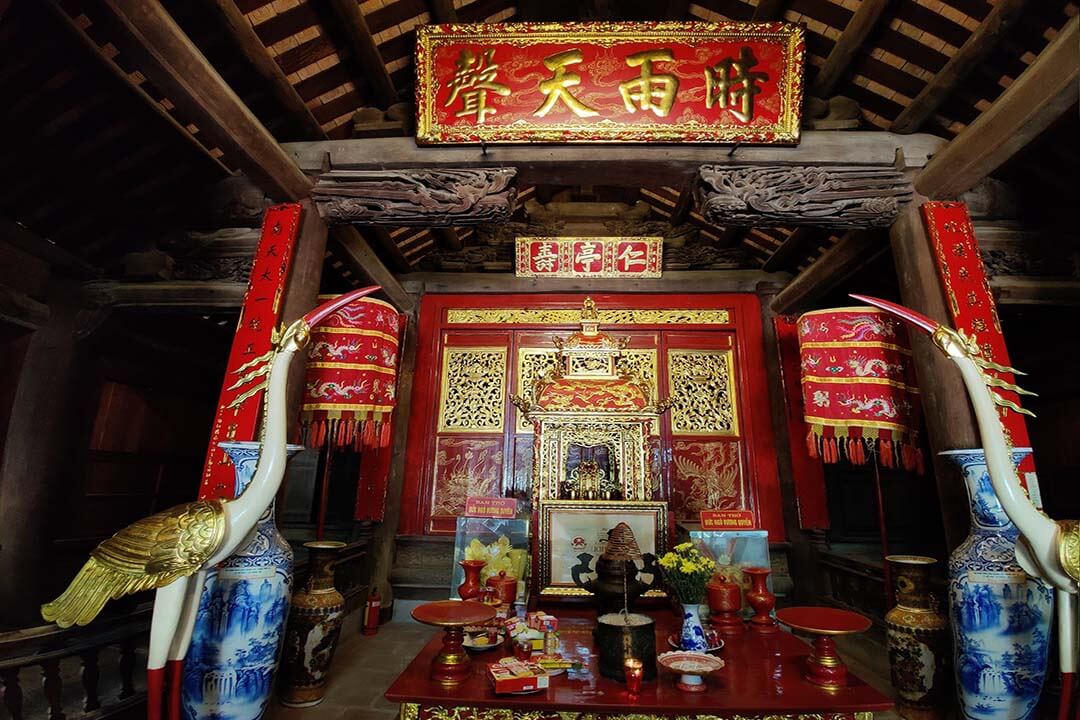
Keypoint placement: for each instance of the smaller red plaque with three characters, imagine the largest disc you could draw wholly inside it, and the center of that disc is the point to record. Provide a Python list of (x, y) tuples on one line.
[(589, 257)]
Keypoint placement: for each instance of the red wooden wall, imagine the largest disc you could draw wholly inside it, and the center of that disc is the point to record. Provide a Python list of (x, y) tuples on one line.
[(695, 471)]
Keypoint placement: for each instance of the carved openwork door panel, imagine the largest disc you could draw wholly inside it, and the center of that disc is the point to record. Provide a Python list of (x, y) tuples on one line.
[(706, 468), (469, 455), (713, 448)]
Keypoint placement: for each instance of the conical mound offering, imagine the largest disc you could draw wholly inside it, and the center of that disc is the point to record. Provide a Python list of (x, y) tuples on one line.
[(621, 544)]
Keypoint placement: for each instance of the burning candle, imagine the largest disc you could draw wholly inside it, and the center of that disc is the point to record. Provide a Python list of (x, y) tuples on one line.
[(634, 671)]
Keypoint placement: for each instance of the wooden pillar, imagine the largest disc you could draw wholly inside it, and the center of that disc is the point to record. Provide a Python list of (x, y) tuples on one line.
[(383, 541), (45, 440), (949, 421), (301, 294), (802, 557)]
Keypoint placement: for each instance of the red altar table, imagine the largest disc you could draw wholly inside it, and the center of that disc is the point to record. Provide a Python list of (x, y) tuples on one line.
[(763, 678)]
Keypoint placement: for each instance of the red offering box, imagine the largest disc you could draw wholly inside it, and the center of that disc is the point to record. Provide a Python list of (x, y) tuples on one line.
[(513, 676)]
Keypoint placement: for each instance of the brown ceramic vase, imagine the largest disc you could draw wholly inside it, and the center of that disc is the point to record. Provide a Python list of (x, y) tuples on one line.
[(917, 637), (312, 633)]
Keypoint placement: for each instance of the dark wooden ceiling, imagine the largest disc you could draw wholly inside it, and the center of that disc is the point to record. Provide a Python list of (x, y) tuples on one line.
[(99, 162)]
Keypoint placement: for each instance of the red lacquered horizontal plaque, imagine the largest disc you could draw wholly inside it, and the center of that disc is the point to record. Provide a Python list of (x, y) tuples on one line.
[(823, 620), (490, 507), (449, 613), (727, 519), (609, 82)]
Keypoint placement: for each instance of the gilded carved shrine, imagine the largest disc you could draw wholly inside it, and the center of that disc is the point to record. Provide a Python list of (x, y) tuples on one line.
[(592, 422)]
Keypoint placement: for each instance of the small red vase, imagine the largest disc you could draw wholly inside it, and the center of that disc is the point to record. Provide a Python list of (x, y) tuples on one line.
[(471, 587), (725, 602), (761, 600)]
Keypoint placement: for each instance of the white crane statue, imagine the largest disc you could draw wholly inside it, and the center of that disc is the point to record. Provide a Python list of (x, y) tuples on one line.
[(172, 550), (1048, 549)]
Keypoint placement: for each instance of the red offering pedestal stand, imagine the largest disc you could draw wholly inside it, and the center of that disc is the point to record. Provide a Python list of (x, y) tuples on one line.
[(824, 666), (451, 664)]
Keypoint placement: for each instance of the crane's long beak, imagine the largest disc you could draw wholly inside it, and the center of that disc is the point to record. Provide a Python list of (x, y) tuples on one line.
[(919, 320), (320, 313)]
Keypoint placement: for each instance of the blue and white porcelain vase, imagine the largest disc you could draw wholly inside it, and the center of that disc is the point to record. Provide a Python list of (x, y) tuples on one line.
[(1000, 617), (692, 636), (241, 622)]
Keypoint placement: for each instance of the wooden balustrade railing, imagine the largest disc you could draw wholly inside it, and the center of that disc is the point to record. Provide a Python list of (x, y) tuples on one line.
[(76, 674)]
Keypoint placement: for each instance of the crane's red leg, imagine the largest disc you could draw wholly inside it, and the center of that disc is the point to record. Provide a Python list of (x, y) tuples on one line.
[(175, 671), (155, 686)]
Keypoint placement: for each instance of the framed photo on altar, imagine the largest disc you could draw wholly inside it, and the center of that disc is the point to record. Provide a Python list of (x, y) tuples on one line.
[(573, 534)]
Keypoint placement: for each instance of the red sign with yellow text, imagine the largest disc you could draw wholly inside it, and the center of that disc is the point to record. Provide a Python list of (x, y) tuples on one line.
[(490, 507), (589, 257), (609, 81), (727, 519)]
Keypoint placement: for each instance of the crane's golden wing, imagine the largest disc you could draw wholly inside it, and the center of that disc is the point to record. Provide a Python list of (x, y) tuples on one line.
[(147, 554)]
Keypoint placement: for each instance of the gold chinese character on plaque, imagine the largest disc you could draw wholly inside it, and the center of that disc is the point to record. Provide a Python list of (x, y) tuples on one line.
[(557, 87), (649, 91), (474, 78), (732, 84)]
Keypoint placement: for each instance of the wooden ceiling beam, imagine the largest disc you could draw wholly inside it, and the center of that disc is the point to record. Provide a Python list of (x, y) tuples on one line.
[(347, 243), (364, 51), (862, 23), (616, 165), (161, 50), (677, 9), (770, 10), (258, 58), (960, 66), (681, 212), (387, 247), (91, 48), (1035, 100), (790, 248), (852, 251)]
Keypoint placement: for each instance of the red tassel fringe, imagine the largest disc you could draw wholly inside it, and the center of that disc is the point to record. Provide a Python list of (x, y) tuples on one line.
[(350, 433), (859, 450)]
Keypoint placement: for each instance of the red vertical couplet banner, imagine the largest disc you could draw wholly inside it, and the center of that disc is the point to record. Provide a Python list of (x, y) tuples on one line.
[(974, 311), (237, 415)]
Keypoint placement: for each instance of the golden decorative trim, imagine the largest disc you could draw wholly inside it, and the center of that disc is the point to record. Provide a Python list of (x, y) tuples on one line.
[(860, 380), (701, 385), (856, 344), (374, 301), (357, 331), (414, 711), (1069, 547), (880, 424), (343, 407), (472, 390), (352, 366), (570, 316)]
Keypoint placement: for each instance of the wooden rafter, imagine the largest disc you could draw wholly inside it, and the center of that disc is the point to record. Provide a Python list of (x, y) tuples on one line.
[(677, 9), (862, 23), (347, 244), (683, 206), (770, 10), (447, 239), (166, 55), (388, 248), (251, 47), (789, 248), (852, 251), (443, 11), (981, 43), (122, 78), (364, 51), (1041, 95)]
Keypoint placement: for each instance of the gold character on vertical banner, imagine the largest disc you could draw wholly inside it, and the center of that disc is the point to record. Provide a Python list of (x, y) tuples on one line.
[(473, 390), (702, 388)]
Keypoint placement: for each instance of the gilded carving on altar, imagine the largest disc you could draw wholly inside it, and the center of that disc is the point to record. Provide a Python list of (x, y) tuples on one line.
[(701, 386), (473, 390), (528, 316), (534, 362), (465, 467), (705, 475)]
